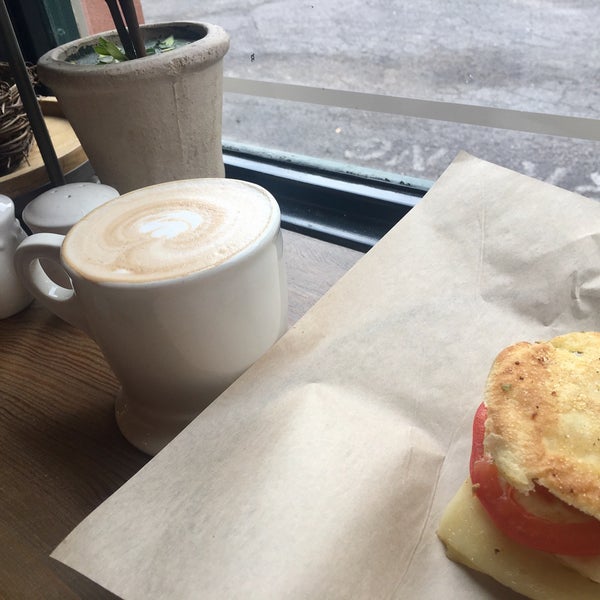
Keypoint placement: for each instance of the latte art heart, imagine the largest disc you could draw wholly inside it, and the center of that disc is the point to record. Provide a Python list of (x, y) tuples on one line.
[(168, 230), (171, 224)]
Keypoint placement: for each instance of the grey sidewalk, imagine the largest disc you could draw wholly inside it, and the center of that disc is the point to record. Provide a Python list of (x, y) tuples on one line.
[(527, 55)]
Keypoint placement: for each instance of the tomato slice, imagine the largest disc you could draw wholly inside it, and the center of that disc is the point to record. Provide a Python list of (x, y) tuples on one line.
[(580, 537)]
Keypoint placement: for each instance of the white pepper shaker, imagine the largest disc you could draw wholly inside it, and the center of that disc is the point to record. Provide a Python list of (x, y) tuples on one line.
[(13, 297), (58, 209)]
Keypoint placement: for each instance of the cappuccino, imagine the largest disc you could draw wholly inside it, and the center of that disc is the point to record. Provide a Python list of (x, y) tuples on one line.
[(168, 230), (182, 286)]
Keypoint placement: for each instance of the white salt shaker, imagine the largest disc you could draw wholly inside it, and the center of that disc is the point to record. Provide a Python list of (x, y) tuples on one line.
[(58, 209), (13, 297)]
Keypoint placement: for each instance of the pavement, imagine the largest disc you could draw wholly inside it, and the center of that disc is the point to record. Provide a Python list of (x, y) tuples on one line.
[(527, 55)]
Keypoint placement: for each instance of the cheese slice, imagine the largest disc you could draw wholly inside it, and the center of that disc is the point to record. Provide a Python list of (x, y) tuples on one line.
[(586, 565), (472, 539)]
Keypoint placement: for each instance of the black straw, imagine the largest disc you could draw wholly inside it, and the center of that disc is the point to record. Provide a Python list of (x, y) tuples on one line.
[(121, 29), (128, 10)]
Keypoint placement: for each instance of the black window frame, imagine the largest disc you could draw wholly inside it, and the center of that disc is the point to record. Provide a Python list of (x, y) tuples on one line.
[(40, 25), (334, 202)]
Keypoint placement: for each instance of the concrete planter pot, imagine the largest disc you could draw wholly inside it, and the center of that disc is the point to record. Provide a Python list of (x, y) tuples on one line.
[(148, 120)]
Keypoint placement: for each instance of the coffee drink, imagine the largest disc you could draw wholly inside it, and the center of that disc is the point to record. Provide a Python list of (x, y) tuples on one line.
[(168, 230), (182, 286)]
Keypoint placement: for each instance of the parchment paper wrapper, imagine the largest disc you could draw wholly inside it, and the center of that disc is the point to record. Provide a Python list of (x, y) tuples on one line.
[(323, 471)]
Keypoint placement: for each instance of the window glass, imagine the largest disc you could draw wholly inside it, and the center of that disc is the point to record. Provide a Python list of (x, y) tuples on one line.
[(525, 55)]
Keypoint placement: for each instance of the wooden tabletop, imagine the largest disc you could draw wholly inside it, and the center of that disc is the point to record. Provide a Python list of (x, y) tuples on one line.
[(61, 453)]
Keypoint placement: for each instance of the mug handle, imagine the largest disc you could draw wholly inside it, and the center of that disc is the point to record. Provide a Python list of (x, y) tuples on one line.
[(61, 301)]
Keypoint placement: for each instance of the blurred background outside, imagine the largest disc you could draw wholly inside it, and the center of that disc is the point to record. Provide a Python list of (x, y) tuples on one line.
[(527, 55)]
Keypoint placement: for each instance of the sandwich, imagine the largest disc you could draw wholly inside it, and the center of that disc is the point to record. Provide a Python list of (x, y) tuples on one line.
[(528, 514)]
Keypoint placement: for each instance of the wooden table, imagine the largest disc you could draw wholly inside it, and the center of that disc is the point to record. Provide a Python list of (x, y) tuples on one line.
[(61, 453)]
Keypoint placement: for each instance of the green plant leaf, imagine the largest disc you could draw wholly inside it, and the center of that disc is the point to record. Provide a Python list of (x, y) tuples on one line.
[(108, 52), (166, 44), (106, 48)]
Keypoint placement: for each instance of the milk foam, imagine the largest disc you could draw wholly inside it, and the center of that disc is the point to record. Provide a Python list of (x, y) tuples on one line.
[(169, 230)]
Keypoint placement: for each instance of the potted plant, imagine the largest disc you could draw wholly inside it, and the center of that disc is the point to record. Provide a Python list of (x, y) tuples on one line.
[(152, 113)]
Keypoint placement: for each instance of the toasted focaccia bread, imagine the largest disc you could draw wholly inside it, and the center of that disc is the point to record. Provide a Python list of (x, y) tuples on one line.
[(543, 417)]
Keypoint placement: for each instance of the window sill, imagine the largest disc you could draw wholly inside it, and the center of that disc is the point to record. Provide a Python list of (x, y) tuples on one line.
[(337, 203)]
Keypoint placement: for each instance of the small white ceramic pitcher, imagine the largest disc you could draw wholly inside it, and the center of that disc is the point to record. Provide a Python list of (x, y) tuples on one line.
[(13, 297)]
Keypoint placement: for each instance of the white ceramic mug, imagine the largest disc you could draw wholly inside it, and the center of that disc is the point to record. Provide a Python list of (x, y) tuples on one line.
[(181, 284)]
